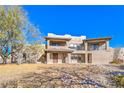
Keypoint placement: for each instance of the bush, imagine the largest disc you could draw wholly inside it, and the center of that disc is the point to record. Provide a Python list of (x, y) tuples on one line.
[(119, 80), (117, 62), (42, 59), (122, 82)]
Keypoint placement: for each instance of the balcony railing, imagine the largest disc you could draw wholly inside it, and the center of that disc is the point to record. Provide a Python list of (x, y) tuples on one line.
[(58, 47), (96, 49), (77, 48)]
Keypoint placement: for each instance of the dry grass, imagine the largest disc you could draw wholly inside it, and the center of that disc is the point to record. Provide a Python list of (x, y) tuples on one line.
[(53, 75), (25, 72), (12, 71)]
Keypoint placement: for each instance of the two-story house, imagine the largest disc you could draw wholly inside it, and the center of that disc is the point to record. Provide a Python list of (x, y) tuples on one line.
[(74, 49)]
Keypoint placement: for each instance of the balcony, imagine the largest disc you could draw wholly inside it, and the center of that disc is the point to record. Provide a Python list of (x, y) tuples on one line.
[(77, 46), (96, 47), (58, 47)]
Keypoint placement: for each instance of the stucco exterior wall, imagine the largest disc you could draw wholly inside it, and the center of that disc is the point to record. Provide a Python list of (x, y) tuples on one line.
[(102, 57), (49, 60), (60, 58), (80, 45)]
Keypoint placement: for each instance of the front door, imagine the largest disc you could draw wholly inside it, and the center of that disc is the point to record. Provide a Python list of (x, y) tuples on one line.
[(55, 57)]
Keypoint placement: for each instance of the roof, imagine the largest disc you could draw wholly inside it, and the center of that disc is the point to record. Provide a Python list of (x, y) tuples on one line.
[(58, 50), (58, 38), (92, 39)]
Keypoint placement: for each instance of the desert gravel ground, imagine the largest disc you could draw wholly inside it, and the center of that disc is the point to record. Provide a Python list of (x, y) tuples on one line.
[(57, 75)]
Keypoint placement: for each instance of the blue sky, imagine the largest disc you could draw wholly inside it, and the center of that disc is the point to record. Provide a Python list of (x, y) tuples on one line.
[(92, 21)]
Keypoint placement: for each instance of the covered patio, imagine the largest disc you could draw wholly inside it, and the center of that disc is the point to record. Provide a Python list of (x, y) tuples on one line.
[(97, 44), (58, 55)]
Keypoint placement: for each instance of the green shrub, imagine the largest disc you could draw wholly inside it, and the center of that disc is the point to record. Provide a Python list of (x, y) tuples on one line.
[(119, 80), (122, 82), (116, 62)]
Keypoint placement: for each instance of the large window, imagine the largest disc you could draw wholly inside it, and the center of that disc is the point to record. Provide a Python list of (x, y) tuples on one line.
[(57, 43), (73, 46), (96, 46), (76, 46), (78, 58)]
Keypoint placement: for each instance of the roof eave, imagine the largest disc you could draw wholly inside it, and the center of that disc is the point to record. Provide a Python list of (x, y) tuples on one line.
[(105, 38)]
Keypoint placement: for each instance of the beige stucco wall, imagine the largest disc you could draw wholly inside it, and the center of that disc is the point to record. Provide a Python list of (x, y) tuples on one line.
[(98, 57), (60, 57), (49, 60), (102, 57)]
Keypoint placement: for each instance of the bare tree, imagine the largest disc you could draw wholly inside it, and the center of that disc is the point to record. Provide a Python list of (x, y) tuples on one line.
[(14, 30)]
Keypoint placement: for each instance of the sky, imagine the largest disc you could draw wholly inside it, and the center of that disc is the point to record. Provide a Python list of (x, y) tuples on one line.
[(90, 21)]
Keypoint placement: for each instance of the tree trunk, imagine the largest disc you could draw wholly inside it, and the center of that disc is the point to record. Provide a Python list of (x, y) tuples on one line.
[(4, 60), (12, 55)]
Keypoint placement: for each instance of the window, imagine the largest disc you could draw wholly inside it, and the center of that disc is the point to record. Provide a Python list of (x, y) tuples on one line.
[(74, 57), (57, 43), (93, 47), (73, 46), (97, 46), (76, 46), (78, 58)]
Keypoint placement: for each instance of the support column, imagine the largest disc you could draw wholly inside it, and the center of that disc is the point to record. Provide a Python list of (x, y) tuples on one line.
[(86, 46), (60, 58), (67, 43), (48, 58), (48, 43), (107, 45), (69, 58), (86, 54), (86, 57)]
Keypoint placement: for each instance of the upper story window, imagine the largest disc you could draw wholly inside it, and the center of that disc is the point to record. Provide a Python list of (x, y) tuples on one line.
[(97, 46), (76, 46), (94, 47), (54, 43), (72, 46)]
